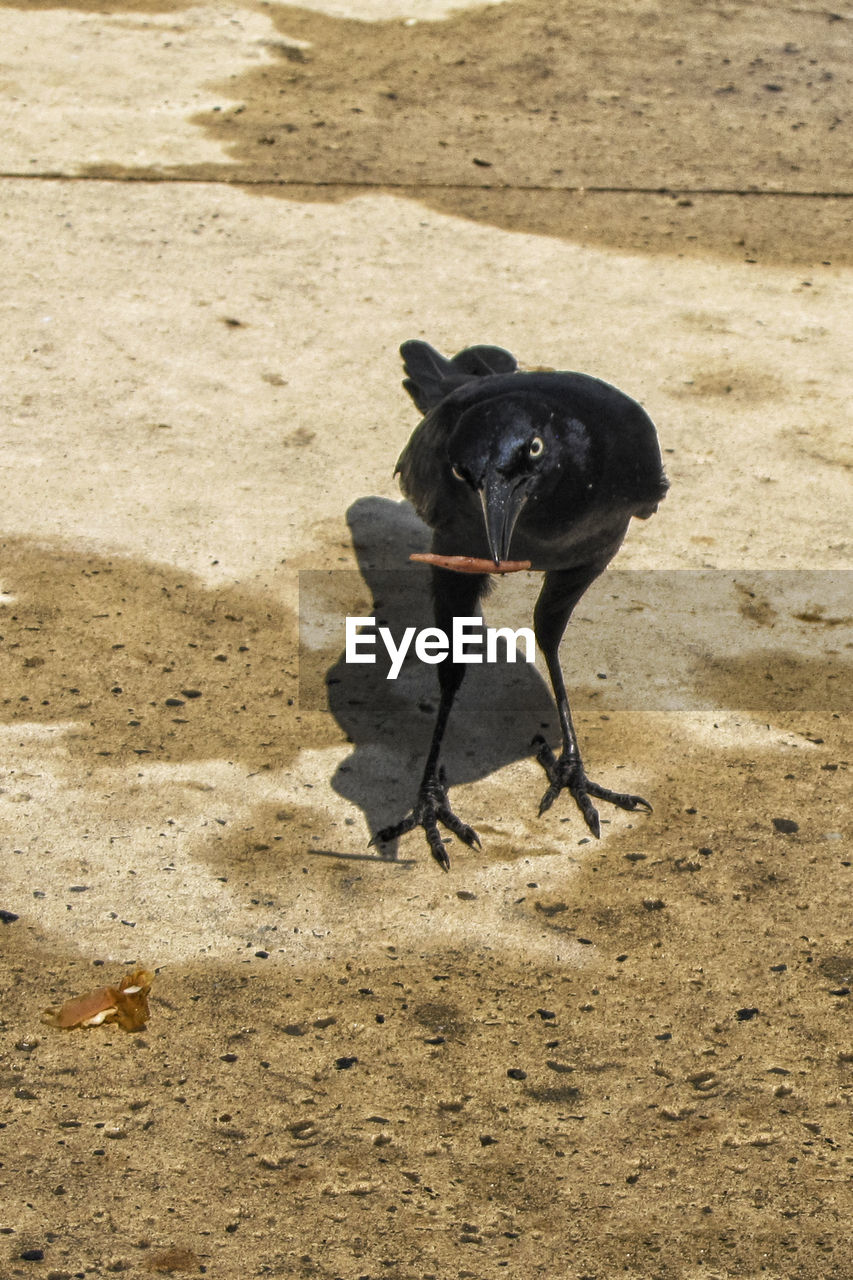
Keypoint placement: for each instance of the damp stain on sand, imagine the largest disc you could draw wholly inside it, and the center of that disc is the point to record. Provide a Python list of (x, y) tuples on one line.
[(639, 140), (145, 663)]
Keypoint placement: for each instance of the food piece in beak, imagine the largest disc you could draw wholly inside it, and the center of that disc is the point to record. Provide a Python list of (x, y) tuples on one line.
[(470, 564)]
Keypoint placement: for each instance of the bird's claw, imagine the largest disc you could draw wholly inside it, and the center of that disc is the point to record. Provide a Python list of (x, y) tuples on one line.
[(431, 808), (566, 773)]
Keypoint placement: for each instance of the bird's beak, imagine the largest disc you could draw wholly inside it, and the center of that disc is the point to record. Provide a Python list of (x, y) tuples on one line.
[(502, 501)]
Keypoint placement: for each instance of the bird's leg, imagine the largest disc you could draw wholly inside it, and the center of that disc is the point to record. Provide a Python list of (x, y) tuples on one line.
[(565, 772), (432, 806), (455, 596)]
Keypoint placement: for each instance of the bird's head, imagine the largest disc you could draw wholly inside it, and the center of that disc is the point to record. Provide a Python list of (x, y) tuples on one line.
[(506, 450)]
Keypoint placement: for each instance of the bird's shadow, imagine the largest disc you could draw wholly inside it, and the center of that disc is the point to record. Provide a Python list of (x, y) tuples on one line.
[(499, 709)]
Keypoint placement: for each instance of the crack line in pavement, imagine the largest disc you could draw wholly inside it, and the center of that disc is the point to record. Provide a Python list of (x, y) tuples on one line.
[(367, 184)]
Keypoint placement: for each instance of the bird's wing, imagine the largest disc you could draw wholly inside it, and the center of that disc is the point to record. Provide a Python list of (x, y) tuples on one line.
[(422, 466), (481, 361), (432, 377)]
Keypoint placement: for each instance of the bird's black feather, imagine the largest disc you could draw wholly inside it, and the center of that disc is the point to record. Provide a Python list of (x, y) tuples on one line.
[(431, 376)]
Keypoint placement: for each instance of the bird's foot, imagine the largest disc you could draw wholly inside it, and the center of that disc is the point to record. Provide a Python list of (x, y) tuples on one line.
[(566, 773), (432, 807)]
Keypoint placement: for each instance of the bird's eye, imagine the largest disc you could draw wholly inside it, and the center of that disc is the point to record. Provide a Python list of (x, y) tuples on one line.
[(536, 447)]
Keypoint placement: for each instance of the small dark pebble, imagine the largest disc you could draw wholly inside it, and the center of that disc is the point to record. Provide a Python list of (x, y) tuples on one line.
[(840, 991), (465, 895), (665, 1035), (786, 825), (435, 1040), (486, 1140), (8, 917), (320, 1024), (228, 1057), (744, 1015), (32, 1255), (79, 888), (545, 1014), (778, 968), (344, 1064), (516, 1073), (705, 851), (295, 1029), (191, 693), (262, 955), (174, 702)]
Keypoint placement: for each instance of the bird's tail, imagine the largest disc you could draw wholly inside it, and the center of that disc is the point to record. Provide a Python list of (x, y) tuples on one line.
[(431, 376)]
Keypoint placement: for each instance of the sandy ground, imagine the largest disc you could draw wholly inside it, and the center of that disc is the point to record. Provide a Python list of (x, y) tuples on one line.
[(566, 1058)]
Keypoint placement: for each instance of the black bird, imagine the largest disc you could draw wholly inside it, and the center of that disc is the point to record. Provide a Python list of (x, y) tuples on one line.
[(553, 466)]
